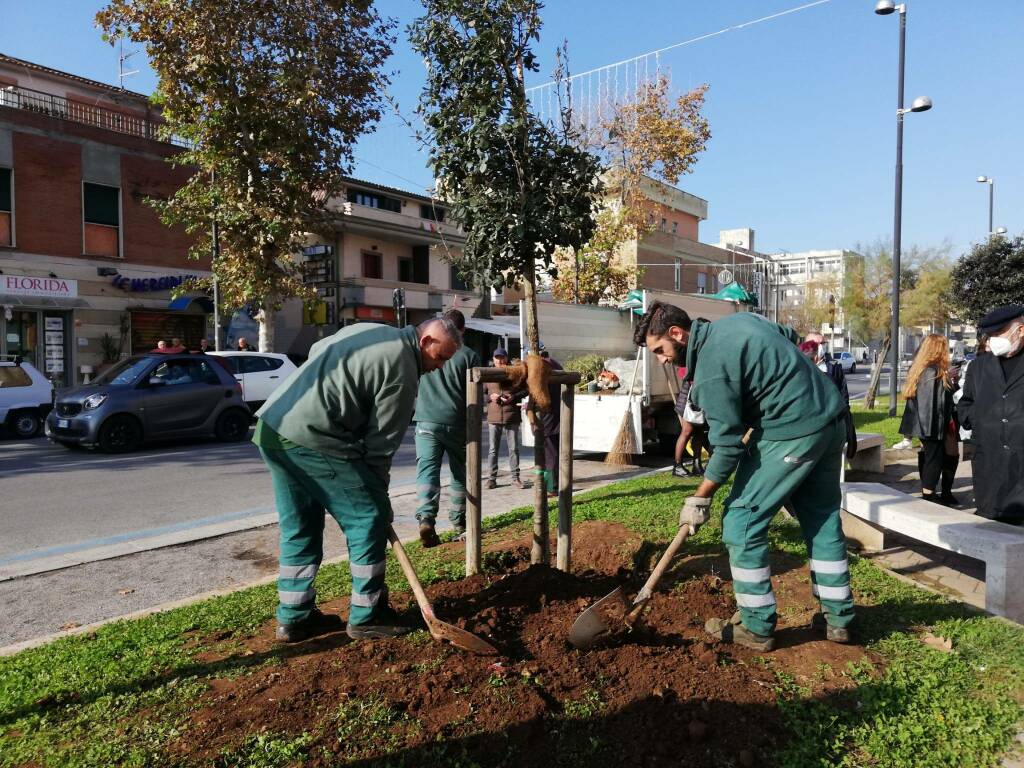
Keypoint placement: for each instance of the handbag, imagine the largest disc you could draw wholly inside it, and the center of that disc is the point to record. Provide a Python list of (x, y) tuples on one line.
[(693, 415)]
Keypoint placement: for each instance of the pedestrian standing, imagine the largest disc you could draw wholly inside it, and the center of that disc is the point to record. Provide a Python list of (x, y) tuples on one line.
[(441, 429), (552, 421), (928, 416), (992, 407), (965, 434), (749, 378), (328, 435), (204, 346), (176, 347), (504, 418), (244, 345)]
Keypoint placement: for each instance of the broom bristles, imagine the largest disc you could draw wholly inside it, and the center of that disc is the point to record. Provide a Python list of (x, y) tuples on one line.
[(625, 446)]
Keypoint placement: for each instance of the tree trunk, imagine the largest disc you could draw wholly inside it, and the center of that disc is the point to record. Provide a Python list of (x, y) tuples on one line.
[(876, 376), (266, 318), (539, 552)]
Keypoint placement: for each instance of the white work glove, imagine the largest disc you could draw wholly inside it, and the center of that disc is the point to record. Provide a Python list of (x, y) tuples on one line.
[(694, 512)]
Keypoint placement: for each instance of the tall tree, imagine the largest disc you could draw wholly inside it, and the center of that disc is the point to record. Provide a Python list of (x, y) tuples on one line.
[(270, 99), (519, 187), (816, 305), (927, 303), (987, 276)]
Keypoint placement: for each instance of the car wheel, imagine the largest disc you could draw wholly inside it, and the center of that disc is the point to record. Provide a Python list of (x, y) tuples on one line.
[(120, 434), (233, 425), (25, 424)]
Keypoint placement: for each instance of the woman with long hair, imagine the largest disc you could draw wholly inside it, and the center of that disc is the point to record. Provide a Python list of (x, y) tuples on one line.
[(928, 416)]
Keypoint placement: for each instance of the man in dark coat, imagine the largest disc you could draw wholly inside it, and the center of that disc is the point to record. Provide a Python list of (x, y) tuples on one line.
[(992, 406)]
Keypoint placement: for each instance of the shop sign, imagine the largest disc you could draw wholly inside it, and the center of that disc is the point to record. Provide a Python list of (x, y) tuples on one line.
[(50, 287), (147, 284)]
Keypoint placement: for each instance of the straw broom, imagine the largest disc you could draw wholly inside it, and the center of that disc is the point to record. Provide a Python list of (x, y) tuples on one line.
[(626, 444)]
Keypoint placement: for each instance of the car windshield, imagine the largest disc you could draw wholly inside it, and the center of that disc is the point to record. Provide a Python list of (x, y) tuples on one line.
[(125, 373)]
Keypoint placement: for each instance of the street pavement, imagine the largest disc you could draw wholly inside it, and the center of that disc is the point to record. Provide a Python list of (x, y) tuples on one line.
[(58, 502)]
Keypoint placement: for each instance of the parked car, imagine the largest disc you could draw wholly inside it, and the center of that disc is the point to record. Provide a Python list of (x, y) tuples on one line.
[(260, 373), (848, 361), (150, 397), (26, 396)]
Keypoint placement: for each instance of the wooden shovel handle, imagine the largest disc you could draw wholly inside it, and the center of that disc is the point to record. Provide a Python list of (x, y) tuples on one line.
[(410, 573), (663, 563)]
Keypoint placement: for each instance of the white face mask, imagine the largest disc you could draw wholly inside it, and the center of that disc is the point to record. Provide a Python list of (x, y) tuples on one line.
[(1002, 346)]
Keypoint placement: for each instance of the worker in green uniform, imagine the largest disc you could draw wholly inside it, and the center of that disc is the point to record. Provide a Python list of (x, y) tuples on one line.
[(440, 429), (328, 435), (747, 375)]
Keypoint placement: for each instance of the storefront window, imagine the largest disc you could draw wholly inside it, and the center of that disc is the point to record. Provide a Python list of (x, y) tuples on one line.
[(150, 327)]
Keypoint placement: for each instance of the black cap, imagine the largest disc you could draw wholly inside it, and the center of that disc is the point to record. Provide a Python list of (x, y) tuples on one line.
[(994, 321)]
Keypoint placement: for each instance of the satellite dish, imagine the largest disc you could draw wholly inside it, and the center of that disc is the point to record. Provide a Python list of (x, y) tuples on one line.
[(724, 277)]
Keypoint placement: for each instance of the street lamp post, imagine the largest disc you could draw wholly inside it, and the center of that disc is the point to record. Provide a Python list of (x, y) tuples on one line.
[(920, 104), (991, 197)]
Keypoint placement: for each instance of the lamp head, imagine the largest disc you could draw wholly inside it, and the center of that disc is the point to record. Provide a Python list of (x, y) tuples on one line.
[(1000, 230), (921, 104), (983, 179), (885, 7)]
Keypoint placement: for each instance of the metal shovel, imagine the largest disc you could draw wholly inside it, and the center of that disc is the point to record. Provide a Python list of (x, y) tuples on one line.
[(439, 630), (592, 625)]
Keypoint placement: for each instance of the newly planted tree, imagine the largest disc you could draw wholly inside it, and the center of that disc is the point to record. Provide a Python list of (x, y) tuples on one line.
[(519, 187), (269, 99)]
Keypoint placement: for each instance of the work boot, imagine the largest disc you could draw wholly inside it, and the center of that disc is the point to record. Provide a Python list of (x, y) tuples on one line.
[(317, 623), (491, 484), (518, 483), (428, 536), (833, 634), (385, 623), (732, 631)]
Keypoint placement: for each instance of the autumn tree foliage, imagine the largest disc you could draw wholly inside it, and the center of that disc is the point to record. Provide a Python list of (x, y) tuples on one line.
[(269, 99)]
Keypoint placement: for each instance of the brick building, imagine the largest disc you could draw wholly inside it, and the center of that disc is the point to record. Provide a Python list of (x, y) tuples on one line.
[(82, 256)]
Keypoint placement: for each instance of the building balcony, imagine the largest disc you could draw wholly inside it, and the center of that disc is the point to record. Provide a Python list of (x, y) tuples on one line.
[(370, 292), (29, 100), (401, 227)]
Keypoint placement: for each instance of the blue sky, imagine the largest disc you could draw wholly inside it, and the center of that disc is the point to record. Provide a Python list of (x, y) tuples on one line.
[(802, 108)]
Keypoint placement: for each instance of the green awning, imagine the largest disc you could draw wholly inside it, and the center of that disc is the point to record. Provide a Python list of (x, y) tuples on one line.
[(736, 292)]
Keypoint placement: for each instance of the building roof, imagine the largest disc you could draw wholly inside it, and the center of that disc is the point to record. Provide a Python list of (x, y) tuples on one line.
[(392, 190), (112, 89)]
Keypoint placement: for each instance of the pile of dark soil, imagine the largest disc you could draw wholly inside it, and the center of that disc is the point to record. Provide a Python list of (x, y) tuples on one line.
[(664, 695)]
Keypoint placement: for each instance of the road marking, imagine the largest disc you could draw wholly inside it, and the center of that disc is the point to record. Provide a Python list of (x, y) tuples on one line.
[(88, 462)]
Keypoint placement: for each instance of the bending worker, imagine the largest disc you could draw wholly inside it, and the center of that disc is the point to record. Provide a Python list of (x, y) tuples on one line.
[(328, 435), (441, 428), (747, 374)]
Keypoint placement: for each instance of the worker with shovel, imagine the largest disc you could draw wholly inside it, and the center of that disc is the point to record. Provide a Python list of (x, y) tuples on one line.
[(328, 435), (747, 375)]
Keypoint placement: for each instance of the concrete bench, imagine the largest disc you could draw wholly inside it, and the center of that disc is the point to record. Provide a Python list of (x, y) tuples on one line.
[(869, 456), (871, 509)]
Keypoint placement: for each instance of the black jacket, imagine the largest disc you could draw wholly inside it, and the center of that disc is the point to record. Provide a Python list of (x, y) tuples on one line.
[(835, 372), (927, 414), (993, 408)]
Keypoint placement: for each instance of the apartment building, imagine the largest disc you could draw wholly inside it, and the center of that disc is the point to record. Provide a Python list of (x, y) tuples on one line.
[(87, 269), (82, 254), (811, 284)]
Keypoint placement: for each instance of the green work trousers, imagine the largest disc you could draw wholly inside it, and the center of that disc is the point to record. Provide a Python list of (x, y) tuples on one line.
[(308, 484), (432, 442), (805, 473)]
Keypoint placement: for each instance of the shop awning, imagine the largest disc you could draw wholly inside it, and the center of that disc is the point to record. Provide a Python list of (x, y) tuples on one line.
[(508, 326), (42, 302), (736, 292), (182, 303)]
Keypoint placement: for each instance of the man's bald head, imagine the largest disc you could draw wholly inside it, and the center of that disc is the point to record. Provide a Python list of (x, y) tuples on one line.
[(439, 340)]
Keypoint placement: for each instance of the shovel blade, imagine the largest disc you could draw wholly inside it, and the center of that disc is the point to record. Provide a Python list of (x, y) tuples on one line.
[(591, 627), (460, 638)]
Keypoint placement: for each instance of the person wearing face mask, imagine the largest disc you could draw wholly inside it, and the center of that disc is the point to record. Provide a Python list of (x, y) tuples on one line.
[(747, 374), (992, 407), (328, 435)]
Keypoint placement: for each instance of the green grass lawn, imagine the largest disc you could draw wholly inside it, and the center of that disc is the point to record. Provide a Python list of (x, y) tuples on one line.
[(879, 420), (119, 695)]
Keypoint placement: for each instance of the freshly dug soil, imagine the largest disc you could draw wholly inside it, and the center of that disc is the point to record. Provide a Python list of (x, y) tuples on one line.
[(663, 695)]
